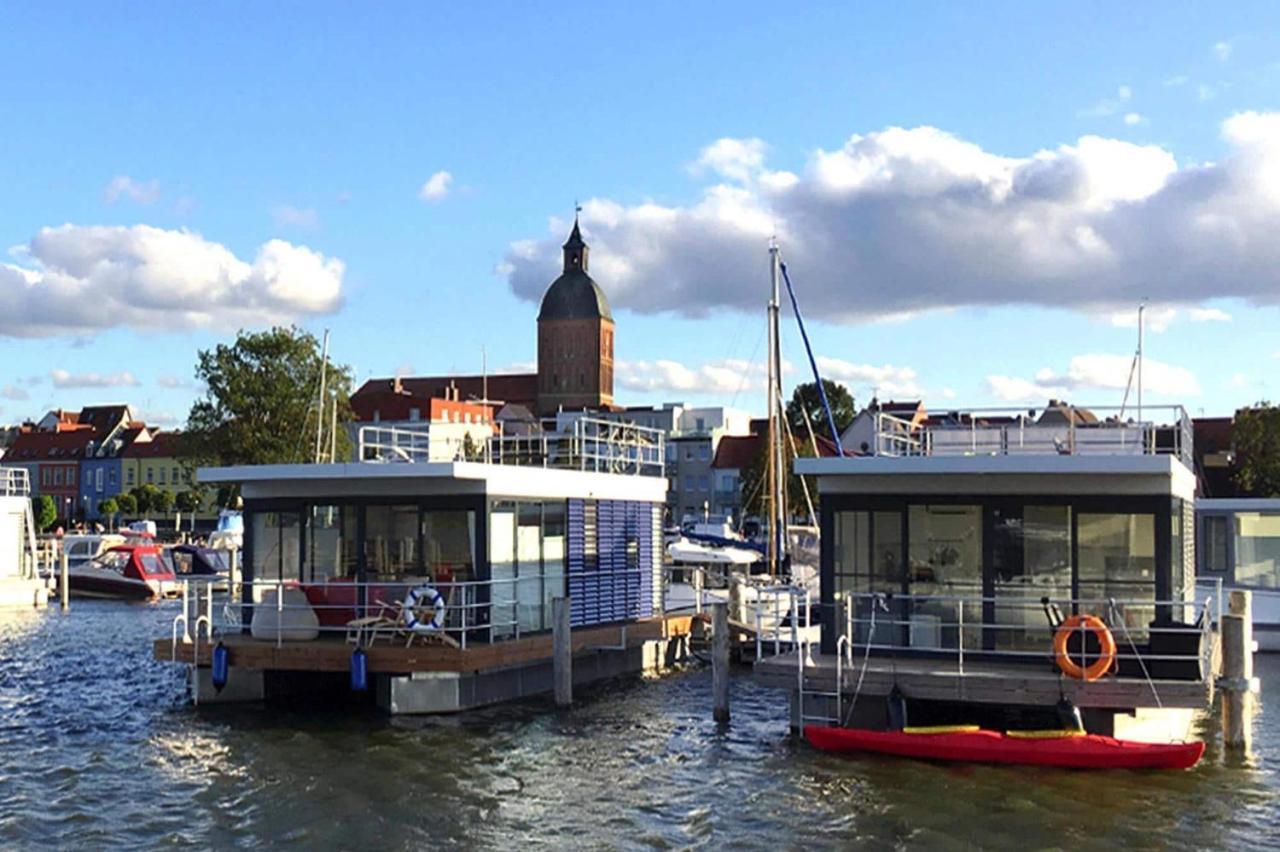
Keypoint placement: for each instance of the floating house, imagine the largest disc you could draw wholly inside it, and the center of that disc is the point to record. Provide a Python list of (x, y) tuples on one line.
[(435, 574), (952, 553), (1239, 548), (20, 581)]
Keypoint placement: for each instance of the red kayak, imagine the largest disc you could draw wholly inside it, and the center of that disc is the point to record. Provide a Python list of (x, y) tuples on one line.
[(1079, 751)]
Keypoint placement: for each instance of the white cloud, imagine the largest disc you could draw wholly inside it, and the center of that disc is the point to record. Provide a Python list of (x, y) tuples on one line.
[(160, 418), (1239, 380), (13, 392), (1108, 106), (519, 367), (1222, 50), (907, 220), (168, 381), (140, 192), (65, 379), (437, 187), (722, 377), (1095, 372), (83, 279), (288, 216), (1204, 92), (1178, 80), (884, 381), (1134, 118), (1208, 315)]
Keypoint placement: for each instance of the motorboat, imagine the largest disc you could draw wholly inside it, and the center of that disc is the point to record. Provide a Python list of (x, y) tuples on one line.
[(125, 572), (85, 547), (971, 744), (200, 564), (229, 534)]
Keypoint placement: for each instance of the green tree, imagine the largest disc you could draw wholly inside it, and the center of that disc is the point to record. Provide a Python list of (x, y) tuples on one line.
[(806, 404), (259, 405), (755, 488), (44, 510), (108, 509), (127, 504), (1257, 445), (146, 498), (189, 500), (162, 502)]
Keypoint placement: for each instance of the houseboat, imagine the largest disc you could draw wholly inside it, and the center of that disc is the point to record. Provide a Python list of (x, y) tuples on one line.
[(20, 582), (427, 579), (967, 558), (1238, 547)]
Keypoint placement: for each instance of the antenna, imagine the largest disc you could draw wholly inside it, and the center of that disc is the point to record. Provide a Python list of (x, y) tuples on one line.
[(1142, 306)]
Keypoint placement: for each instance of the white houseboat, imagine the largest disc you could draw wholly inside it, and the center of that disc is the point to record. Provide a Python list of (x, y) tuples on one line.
[(1239, 548), (20, 582), (954, 549), (439, 572)]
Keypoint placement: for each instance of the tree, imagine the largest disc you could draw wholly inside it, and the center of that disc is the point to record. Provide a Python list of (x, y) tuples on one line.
[(127, 504), (108, 509), (806, 403), (259, 405), (1257, 445), (146, 498), (44, 510), (188, 501), (162, 502), (755, 487)]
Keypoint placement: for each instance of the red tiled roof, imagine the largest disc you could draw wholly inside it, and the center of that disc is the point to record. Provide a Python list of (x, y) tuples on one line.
[(517, 388), (736, 452), (50, 446), (161, 445)]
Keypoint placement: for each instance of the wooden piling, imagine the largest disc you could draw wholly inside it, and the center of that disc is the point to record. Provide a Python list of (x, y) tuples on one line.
[(64, 580), (562, 651), (720, 661), (1236, 683)]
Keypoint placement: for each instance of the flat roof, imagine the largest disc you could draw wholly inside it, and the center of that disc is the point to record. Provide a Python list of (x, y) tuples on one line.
[(1240, 504), (1003, 474), (394, 479)]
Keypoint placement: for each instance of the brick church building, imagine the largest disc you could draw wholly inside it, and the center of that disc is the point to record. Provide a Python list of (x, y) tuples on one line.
[(575, 358)]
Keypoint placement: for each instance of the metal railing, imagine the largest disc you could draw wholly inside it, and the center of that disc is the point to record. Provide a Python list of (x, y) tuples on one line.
[(14, 482), (470, 611), (586, 444), (1057, 430), (779, 615)]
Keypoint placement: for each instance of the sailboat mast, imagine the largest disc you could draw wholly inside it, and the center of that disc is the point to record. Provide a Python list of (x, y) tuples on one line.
[(320, 406), (775, 467)]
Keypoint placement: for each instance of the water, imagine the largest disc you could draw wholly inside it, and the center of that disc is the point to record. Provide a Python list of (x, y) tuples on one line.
[(98, 749)]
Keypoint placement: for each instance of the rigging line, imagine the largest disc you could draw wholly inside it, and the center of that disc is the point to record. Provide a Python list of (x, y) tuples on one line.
[(751, 362), (795, 454), (813, 364)]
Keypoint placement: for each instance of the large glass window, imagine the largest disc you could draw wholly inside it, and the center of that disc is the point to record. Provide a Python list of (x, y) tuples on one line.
[(527, 560), (868, 559), (391, 542), (945, 563), (1258, 549), (502, 568), (1118, 561), (1213, 544), (330, 540), (277, 542), (1031, 559)]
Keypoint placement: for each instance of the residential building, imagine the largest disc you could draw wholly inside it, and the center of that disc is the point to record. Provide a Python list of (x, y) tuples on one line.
[(859, 437), (691, 449), (156, 462), (52, 461), (734, 456), (102, 468)]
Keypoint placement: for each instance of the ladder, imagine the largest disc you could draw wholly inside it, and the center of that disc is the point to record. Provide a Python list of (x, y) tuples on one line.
[(803, 690)]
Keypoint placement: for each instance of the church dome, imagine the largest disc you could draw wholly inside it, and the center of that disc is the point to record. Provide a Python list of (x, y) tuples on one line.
[(574, 295)]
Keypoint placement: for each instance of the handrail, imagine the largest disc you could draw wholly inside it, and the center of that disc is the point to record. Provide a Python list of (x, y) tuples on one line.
[(15, 482), (1020, 431)]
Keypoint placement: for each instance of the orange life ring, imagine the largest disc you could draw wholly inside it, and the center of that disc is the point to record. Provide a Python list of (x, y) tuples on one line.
[(1107, 643)]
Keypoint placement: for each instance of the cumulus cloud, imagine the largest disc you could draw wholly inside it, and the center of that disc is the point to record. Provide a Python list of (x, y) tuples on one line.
[(908, 220), (437, 187), (1134, 118), (77, 279), (1095, 372), (13, 392), (1222, 50), (168, 381), (288, 216), (1108, 106), (65, 379), (884, 381), (1209, 315), (139, 192), (722, 377)]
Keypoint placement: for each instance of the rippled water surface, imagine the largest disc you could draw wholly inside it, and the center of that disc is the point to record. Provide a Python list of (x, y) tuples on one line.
[(98, 749)]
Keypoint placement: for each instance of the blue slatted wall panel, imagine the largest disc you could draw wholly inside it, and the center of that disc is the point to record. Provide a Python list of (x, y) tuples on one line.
[(574, 563)]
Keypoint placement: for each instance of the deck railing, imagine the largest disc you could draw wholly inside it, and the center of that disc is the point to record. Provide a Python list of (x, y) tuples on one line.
[(470, 611), (1058, 430), (777, 615), (585, 443), (14, 482)]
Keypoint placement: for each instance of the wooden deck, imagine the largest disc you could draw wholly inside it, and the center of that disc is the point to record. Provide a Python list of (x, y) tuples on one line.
[(333, 654), (983, 682)]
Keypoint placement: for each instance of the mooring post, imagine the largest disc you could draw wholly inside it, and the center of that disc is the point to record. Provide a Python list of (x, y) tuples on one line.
[(562, 651), (64, 580), (720, 661), (1236, 682)]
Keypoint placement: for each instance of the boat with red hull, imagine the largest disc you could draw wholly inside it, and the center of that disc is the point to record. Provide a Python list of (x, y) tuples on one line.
[(1076, 751), (125, 572)]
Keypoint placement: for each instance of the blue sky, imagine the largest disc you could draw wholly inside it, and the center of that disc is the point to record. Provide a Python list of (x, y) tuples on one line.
[(171, 174)]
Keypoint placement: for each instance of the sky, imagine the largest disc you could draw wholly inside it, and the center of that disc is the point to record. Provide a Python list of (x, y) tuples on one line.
[(971, 199)]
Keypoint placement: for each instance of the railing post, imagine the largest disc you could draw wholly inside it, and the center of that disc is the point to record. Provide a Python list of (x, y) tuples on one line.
[(561, 651), (64, 580)]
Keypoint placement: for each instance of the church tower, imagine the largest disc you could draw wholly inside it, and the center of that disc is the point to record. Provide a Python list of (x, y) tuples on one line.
[(575, 337)]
